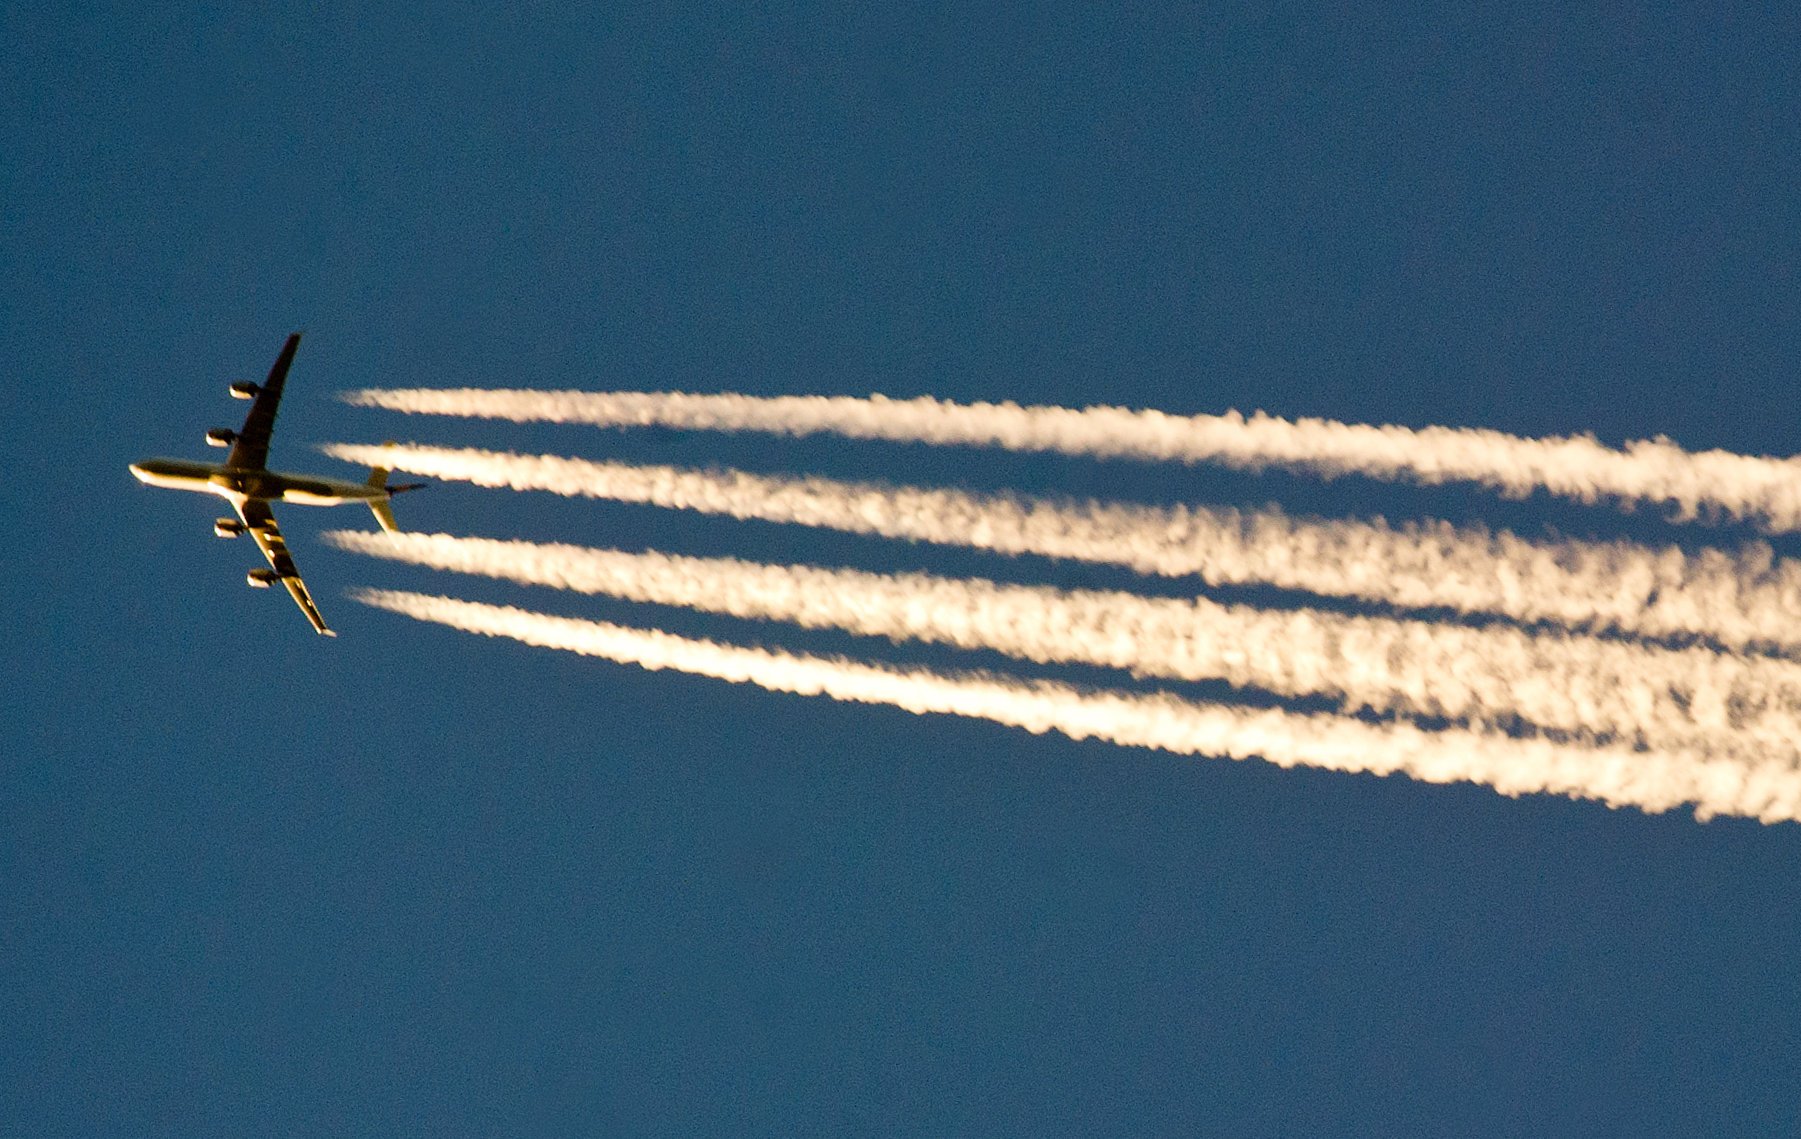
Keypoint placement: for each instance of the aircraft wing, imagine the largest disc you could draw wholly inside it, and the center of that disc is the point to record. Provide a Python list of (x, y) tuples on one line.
[(251, 451), (261, 521)]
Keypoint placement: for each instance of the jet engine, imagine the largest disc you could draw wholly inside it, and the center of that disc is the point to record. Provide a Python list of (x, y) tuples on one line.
[(221, 437), (245, 390), (228, 527), (261, 578)]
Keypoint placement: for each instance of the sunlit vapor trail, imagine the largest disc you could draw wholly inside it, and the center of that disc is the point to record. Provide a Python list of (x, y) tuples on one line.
[(1687, 698), (1760, 489), (1616, 776), (1738, 600)]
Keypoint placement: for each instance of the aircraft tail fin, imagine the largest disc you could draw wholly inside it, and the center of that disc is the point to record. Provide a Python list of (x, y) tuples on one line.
[(378, 478), (384, 514)]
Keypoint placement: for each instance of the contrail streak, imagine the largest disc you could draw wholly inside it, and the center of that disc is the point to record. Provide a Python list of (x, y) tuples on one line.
[(1662, 698), (1740, 600), (1759, 489), (1513, 766)]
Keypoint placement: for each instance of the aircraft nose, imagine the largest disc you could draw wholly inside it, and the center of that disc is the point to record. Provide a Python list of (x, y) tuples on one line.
[(137, 470)]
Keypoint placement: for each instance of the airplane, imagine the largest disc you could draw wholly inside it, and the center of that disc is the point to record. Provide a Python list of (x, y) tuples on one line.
[(245, 480)]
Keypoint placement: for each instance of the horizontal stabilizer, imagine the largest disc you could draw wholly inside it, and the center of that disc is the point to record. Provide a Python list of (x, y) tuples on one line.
[(384, 514)]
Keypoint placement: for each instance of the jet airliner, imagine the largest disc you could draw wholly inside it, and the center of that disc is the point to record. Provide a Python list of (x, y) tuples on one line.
[(245, 480)]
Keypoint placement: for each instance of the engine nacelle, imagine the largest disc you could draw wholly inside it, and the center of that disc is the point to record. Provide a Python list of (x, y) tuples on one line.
[(228, 527), (245, 390), (261, 578), (221, 437)]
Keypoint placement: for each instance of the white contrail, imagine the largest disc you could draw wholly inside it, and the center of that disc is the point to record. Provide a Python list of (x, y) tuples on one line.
[(1662, 698), (1739, 600), (1512, 766), (1760, 489)]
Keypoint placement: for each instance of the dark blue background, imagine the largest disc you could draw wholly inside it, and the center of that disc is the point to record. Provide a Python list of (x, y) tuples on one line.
[(412, 882)]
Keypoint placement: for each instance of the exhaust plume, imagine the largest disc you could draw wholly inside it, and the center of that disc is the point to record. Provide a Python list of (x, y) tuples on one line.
[(1758, 489), (1742, 600), (1661, 698), (1513, 766)]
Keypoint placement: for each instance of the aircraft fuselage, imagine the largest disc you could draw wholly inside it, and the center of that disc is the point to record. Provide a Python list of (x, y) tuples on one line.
[(245, 481), (237, 485)]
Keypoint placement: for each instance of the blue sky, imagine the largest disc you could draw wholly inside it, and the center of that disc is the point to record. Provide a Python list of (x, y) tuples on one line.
[(411, 881)]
